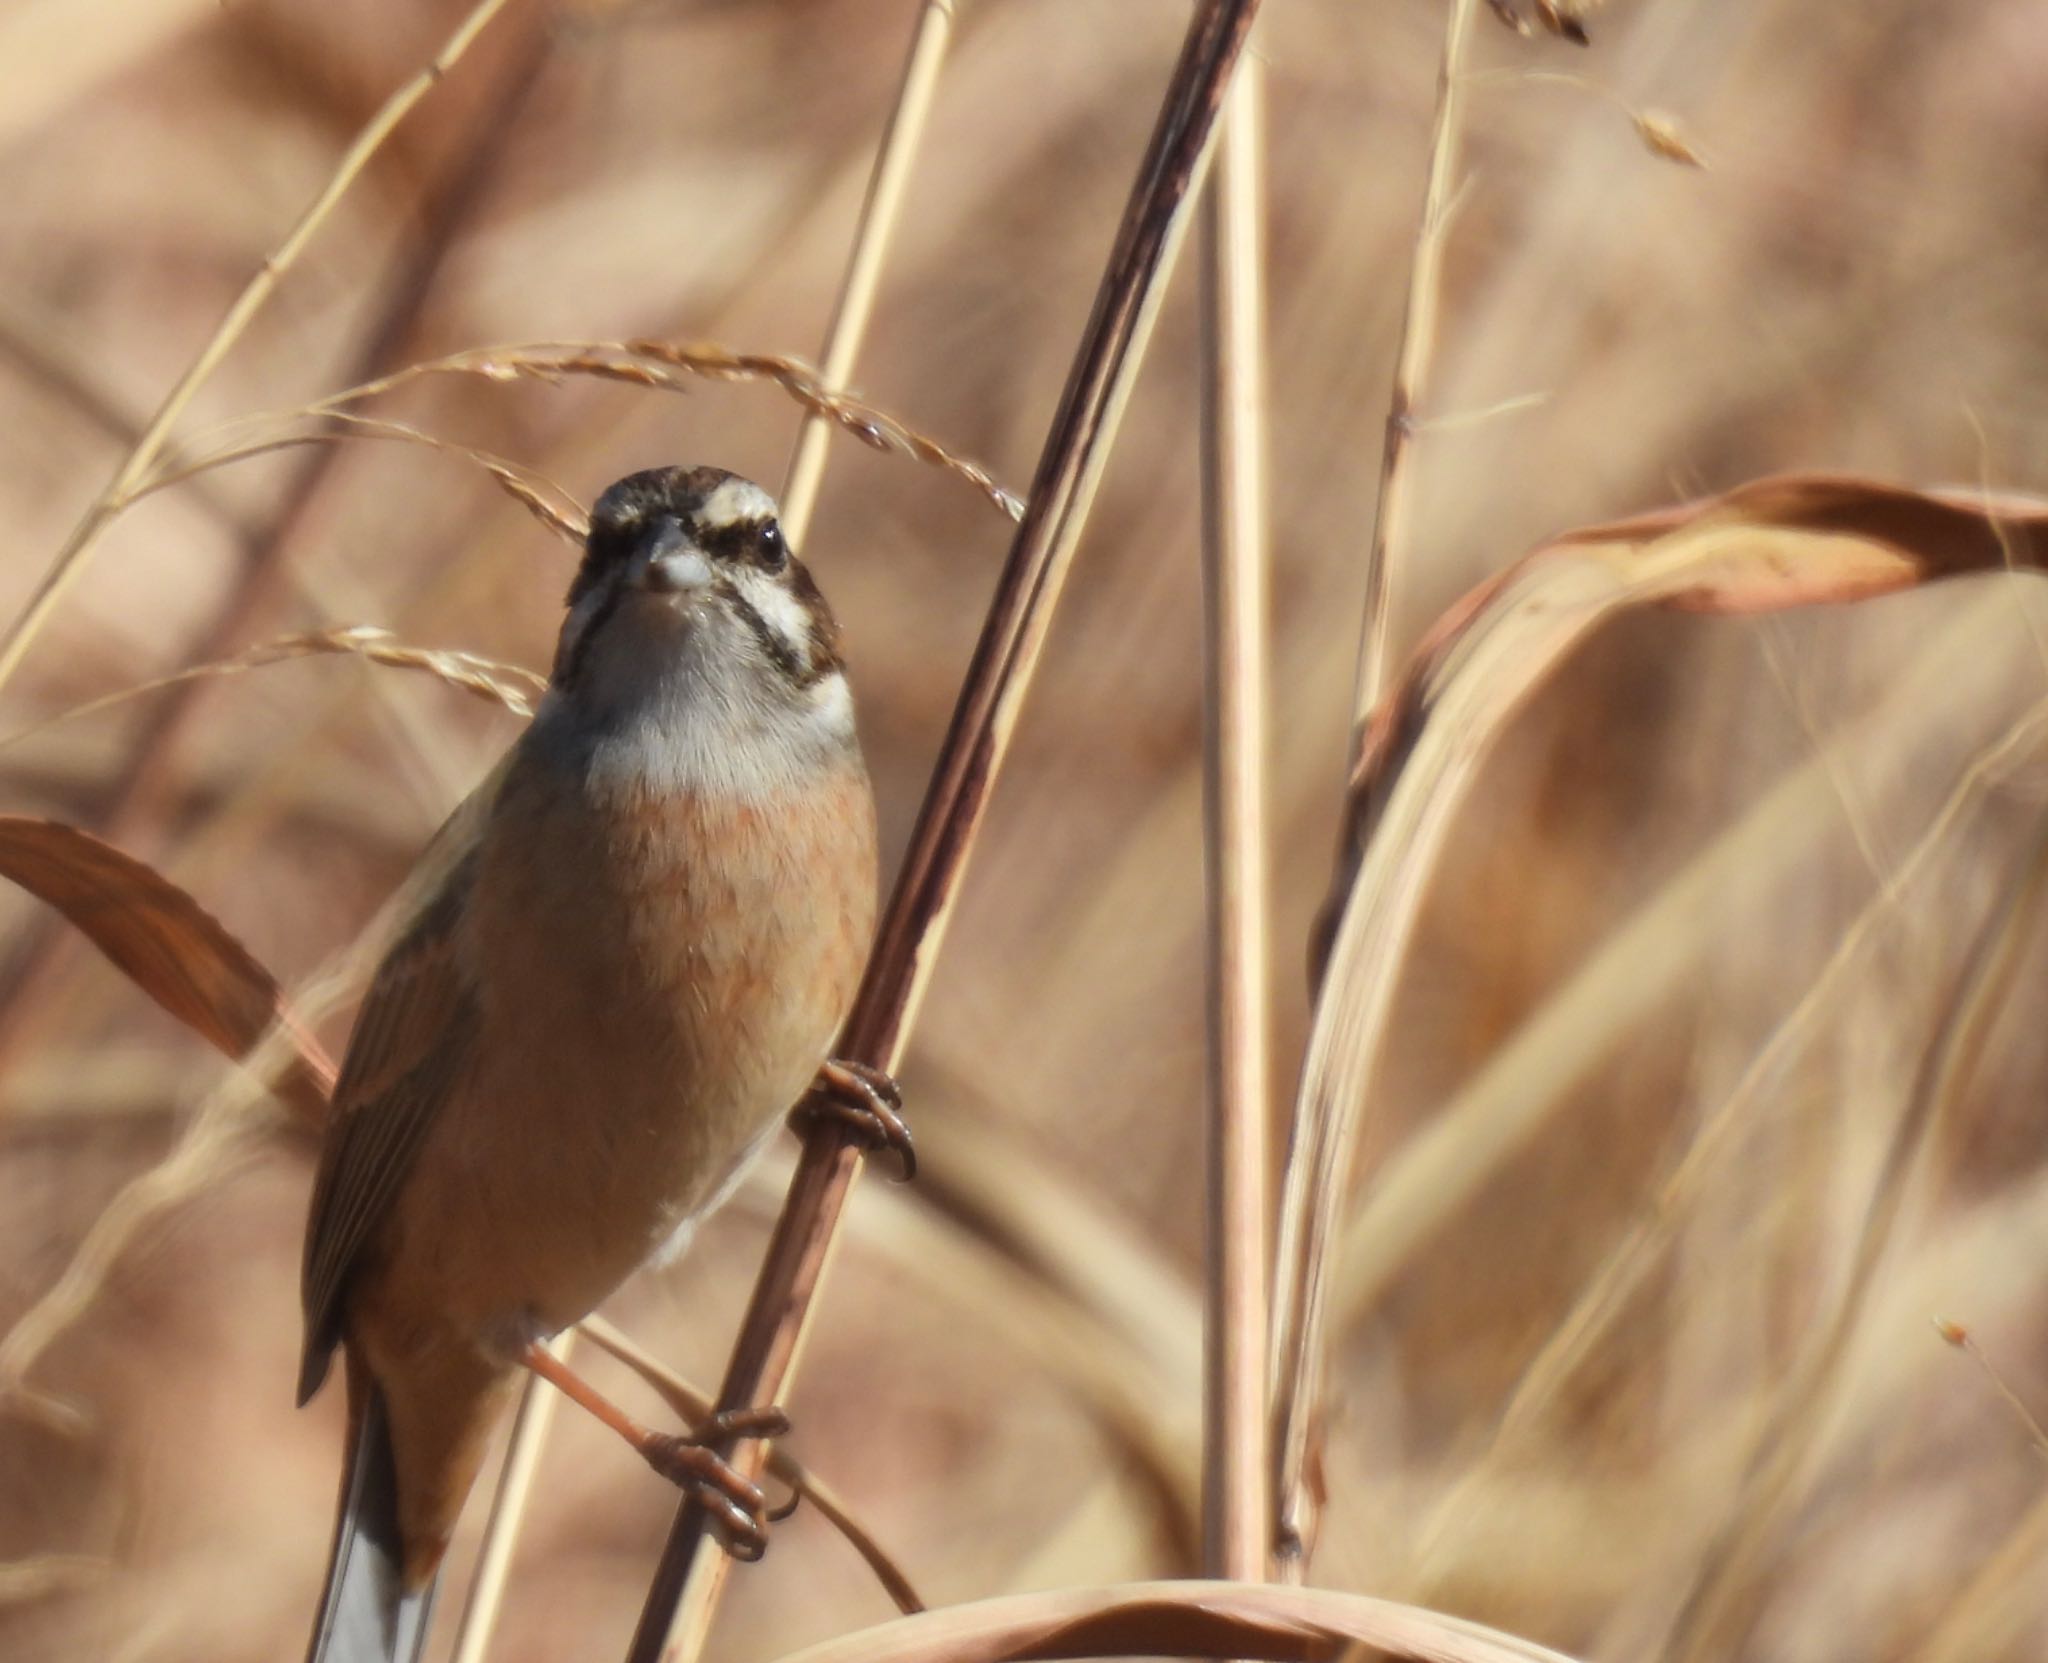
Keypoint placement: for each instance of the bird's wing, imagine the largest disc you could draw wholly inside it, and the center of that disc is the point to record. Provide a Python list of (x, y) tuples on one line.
[(413, 1040)]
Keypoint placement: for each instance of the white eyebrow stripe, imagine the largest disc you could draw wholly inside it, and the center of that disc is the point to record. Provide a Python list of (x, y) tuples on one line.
[(778, 608), (734, 503)]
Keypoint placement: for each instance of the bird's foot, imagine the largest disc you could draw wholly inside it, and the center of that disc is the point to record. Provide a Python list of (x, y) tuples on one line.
[(737, 1505), (866, 1101)]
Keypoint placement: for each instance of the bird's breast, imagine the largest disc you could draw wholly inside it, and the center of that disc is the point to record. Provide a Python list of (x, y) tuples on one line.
[(659, 975)]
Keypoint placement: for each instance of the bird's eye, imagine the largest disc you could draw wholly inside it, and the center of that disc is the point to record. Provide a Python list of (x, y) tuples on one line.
[(774, 551)]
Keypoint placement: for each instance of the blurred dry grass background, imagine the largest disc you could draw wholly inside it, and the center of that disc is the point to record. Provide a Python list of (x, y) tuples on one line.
[(1660, 863)]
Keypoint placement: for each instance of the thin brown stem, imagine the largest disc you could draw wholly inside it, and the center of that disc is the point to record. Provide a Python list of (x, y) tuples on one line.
[(914, 923), (1236, 1506), (893, 159), (537, 1406)]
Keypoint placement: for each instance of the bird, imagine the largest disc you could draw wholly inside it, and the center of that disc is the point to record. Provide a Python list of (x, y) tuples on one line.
[(618, 962)]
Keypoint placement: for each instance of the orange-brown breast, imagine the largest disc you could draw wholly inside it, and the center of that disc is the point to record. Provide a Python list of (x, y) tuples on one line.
[(659, 979)]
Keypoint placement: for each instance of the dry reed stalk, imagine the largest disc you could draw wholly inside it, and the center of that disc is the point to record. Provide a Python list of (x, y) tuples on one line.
[(843, 335), (914, 922), (1393, 512), (538, 1402), (1236, 1468), (1717, 1610), (1179, 1619), (70, 560)]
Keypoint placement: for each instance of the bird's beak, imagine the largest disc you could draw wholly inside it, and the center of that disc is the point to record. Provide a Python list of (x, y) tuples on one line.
[(668, 563)]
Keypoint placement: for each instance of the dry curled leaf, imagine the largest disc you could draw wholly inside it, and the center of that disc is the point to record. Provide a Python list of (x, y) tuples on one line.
[(167, 944), (1180, 1619), (1795, 540)]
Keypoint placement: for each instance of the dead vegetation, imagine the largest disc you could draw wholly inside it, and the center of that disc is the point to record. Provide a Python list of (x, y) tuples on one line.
[(1673, 1034)]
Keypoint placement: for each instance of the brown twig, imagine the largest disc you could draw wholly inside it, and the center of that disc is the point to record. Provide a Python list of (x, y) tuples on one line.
[(914, 922), (1236, 1504)]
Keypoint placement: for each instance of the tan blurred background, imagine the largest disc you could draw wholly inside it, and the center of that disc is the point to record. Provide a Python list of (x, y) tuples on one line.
[(1659, 863)]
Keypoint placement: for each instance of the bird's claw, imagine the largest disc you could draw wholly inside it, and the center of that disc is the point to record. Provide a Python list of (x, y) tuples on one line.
[(867, 1102), (738, 1507)]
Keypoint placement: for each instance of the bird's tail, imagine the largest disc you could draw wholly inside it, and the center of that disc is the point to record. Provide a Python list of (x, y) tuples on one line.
[(367, 1614)]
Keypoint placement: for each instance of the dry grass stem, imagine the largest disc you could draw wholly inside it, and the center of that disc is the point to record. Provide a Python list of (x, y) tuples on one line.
[(540, 496), (1714, 1616), (509, 686), (70, 560), (667, 366), (1652, 921), (1236, 1467), (799, 494), (1393, 512), (893, 161), (1641, 965), (538, 1404), (1955, 1334), (1629, 1264), (913, 923)]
